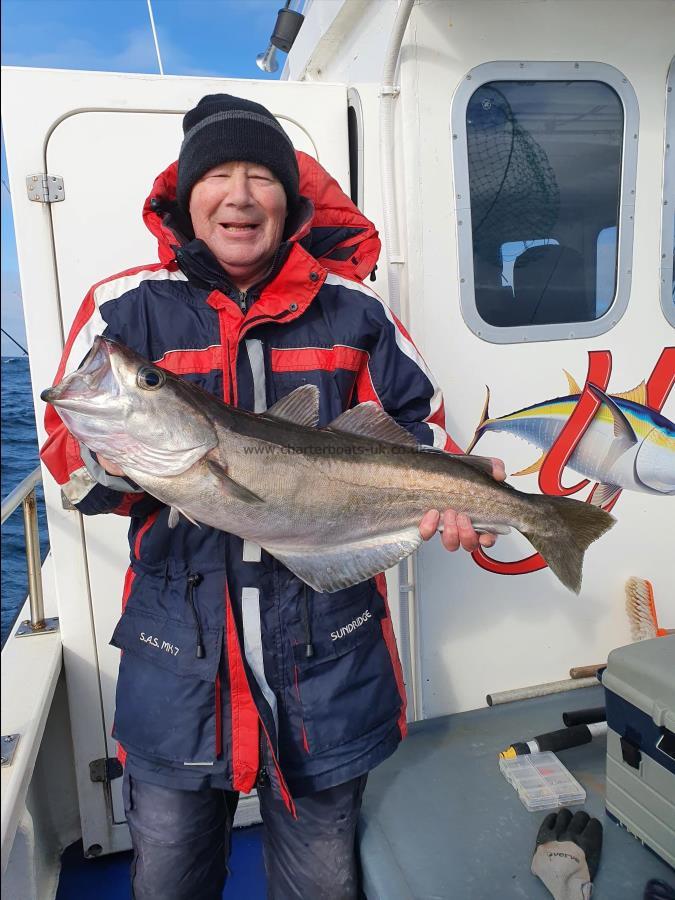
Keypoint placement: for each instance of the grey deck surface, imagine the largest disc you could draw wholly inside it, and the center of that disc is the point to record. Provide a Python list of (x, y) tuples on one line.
[(440, 821)]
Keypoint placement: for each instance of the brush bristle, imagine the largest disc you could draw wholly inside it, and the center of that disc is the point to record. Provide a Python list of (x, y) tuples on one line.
[(640, 609)]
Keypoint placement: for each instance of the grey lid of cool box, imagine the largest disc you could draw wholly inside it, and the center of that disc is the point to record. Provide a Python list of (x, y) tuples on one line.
[(644, 674)]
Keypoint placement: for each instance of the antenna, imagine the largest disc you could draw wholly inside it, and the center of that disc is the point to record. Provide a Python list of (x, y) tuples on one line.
[(285, 32), (154, 35)]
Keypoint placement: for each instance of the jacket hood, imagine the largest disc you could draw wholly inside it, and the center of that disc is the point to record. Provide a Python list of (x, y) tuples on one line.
[(327, 224)]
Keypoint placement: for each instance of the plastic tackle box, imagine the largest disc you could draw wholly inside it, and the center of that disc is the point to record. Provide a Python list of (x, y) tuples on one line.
[(542, 781)]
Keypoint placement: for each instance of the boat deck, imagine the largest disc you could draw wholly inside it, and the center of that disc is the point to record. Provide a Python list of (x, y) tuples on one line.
[(107, 878), (440, 820)]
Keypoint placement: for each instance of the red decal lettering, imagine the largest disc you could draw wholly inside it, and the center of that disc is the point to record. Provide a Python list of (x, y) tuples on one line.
[(661, 380)]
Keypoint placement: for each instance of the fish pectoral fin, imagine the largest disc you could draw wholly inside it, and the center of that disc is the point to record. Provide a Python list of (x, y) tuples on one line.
[(603, 494), (230, 486), (623, 430), (174, 515), (301, 407), (330, 569), (624, 436), (371, 421), (530, 470)]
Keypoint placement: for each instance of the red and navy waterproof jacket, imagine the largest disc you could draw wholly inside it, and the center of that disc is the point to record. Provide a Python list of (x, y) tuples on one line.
[(264, 663)]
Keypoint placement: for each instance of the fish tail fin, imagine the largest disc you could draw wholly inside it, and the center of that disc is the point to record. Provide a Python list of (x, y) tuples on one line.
[(484, 416), (571, 527)]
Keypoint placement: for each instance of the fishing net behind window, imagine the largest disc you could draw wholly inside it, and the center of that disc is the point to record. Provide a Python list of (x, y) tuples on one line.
[(514, 192)]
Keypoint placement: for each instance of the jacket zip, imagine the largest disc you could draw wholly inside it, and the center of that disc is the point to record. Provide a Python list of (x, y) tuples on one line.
[(263, 779), (309, 646), (194, 580), (243, 301), (228, 371)]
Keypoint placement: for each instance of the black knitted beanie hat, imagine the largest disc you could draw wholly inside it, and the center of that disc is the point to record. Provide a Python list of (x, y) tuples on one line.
[(222, 128)]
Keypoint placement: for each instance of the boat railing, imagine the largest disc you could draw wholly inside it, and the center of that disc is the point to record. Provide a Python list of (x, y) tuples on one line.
[(25, 494), (35, 733)]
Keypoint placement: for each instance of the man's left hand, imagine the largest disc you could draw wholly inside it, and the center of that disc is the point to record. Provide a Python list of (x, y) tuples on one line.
[(457, 528)]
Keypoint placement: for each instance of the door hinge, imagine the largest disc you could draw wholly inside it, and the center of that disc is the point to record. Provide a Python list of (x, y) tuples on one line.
[(9, 744), (43, 188), (105, 769)]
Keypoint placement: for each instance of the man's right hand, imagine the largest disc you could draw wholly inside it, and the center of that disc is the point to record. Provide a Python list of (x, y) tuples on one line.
[(110, 467)]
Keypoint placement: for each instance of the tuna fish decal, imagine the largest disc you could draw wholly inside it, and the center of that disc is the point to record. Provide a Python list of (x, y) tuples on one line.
[(627, 445)]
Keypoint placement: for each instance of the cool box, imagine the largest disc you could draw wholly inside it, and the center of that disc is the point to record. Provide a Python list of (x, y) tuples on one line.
[(639, 684)]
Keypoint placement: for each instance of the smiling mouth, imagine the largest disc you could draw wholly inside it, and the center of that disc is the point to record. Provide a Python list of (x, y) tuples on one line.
[(239, 227)]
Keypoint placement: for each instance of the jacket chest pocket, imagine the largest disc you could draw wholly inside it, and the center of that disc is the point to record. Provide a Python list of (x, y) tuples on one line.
[(348, 687), (166, 693), (333, 372)]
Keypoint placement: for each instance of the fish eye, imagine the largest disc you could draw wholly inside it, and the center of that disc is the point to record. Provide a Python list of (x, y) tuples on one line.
[(150, 378)]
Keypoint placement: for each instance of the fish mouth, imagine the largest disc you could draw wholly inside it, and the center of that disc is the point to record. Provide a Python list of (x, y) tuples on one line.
[(86, 388)]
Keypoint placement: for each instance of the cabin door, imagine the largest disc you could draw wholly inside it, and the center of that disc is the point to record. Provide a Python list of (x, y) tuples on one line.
[(108, 136)]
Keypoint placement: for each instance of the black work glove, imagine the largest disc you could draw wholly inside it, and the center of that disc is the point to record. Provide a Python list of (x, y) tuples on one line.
[(655, 889), (567, 854)]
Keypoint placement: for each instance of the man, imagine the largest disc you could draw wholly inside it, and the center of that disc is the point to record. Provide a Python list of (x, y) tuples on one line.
[(258, 291)]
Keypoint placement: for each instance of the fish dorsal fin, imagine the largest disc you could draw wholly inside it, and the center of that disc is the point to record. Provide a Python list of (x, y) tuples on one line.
[(301, 407), (482, 463), (484, 416), (572, 383), (530, 470), (371, 421), (623, 430), (637, 395)]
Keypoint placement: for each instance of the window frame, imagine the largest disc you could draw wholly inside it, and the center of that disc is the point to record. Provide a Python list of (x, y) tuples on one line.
[(668, 201), (543, 71)]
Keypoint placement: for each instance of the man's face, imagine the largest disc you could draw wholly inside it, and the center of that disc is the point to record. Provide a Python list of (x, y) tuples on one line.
[(238, 209)]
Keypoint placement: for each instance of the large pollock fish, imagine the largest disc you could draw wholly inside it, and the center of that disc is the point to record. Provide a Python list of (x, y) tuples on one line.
[(336, 505)]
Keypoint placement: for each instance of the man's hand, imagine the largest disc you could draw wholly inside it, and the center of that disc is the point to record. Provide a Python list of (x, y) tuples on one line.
[(110, 467), (457, 528)]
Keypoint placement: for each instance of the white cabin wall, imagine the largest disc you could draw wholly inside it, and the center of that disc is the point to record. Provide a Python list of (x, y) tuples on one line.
[(481, 632)]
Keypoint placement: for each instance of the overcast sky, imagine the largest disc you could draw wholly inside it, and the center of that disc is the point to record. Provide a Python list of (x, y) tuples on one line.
[(196, 37)]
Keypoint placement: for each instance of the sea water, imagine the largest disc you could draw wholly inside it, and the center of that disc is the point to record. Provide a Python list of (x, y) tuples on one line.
[(19, 458)]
